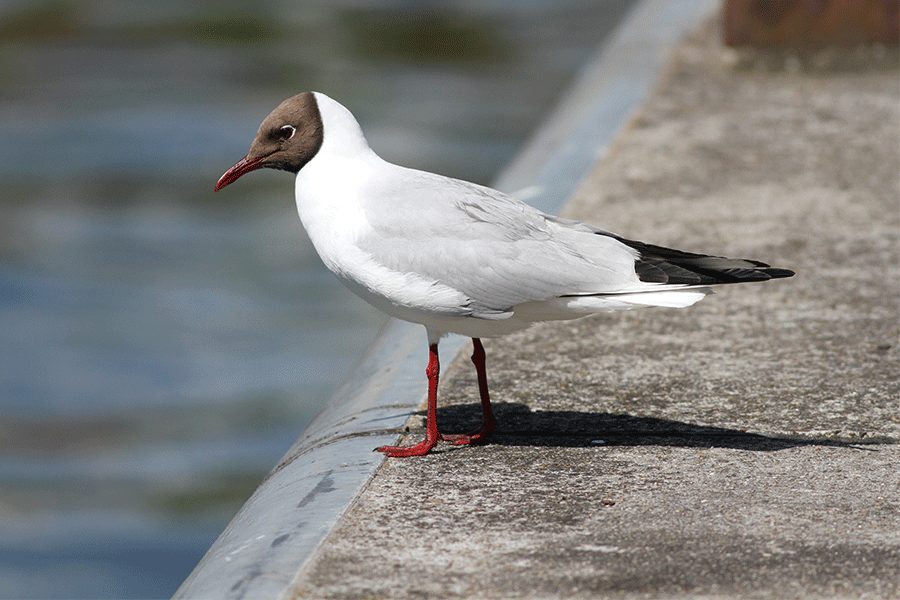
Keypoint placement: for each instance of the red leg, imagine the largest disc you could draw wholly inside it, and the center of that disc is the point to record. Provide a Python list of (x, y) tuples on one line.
[(489, 423), (431, 429)]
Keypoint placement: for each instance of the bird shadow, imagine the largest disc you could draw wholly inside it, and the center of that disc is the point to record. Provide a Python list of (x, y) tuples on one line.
[(521, 426)]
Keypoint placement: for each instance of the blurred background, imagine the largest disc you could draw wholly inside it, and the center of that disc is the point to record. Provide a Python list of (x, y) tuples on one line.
[(161, 346)]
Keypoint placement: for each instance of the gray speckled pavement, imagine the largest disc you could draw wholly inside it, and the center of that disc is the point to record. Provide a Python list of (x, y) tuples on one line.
[(747, 447)]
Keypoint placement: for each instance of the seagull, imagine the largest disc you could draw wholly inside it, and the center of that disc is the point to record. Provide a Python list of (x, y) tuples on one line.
[(458, 257)]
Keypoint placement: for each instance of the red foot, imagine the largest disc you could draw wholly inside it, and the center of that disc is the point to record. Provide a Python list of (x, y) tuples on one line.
[(420, 449), (472, 438), (489, 423), (431, 429), (432, 434)]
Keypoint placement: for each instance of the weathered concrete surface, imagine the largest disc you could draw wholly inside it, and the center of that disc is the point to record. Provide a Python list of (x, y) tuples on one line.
[(746, 447)]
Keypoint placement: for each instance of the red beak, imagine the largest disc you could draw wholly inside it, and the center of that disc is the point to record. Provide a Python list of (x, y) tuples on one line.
[(245, 165)]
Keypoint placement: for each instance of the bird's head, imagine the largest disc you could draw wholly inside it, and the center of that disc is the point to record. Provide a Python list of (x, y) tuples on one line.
[(287, 139)]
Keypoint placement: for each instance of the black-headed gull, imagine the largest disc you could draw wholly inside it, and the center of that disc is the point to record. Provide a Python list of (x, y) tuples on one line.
[(459, 257)]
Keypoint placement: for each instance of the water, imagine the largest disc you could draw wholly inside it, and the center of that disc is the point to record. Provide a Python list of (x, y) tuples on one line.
[(162, 346)]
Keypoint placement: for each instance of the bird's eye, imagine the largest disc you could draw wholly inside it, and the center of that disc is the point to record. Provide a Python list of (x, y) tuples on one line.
[(285, 132)]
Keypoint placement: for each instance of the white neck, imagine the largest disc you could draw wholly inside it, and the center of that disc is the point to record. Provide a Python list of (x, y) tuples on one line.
[(342, 135)]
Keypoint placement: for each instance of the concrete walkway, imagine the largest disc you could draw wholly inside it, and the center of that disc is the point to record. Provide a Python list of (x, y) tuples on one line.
[(743, 448)]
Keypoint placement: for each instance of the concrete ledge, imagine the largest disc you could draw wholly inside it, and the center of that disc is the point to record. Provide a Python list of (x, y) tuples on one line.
[(746, 447)]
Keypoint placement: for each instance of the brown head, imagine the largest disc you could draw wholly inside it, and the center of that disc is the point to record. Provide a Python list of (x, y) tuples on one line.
[(287, 139)]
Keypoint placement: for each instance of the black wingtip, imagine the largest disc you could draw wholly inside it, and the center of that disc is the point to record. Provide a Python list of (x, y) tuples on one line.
[(657, 264), (776, 273)]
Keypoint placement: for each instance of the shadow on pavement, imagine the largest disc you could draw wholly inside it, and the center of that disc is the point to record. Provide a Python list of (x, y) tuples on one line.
[(520, 426)]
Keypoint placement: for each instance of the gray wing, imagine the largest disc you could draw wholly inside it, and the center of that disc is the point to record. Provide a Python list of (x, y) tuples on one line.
[(495, 250)]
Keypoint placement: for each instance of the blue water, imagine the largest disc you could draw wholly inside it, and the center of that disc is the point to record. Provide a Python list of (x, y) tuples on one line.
[(162, 346)]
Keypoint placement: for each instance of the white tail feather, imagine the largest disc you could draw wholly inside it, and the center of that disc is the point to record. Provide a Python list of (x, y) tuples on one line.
[(574, 307), (669, 299)]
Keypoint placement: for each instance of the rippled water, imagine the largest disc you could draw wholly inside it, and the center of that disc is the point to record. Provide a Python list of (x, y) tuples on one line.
[(162, 346)]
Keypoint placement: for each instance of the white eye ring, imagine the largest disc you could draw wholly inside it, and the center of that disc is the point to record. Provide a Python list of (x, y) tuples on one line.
[(286, 132)]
